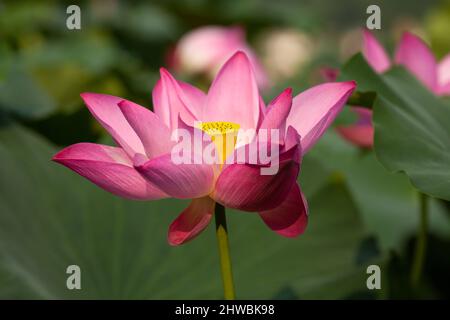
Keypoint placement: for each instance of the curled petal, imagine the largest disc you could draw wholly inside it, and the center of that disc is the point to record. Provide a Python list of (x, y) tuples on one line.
[(194, 97), (110, 168), (234, 96), (315, 109), (292, 139), (374, 53), (106, 110), (290, 218), (172, 98), (415, 55), (193, 220), (155, 136), (242, 186), (277, 111), (179, 180)]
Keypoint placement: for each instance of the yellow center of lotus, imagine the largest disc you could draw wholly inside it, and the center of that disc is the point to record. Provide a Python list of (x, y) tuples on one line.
[(224, 136)]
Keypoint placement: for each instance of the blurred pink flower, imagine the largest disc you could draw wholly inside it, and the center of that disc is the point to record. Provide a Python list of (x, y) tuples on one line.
[(141, 166), (417, 58), (285, 52), (206, 49), (329, 74), (361, 132)]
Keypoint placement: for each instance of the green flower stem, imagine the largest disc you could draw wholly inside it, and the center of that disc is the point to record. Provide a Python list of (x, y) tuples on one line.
[(421, 243), (224, 252)]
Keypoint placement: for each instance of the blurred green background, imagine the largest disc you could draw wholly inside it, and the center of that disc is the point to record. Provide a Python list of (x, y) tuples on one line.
[(50, 218)]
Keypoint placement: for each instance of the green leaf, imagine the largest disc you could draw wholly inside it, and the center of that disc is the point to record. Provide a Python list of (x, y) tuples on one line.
[(148, 22), (387, 202), (412, 126), (20, 94), (362, 99), (51, 218)]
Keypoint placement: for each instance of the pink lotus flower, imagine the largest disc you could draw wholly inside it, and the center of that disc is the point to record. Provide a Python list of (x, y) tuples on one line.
[(417, 58), (206, 49), (141, 166)]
